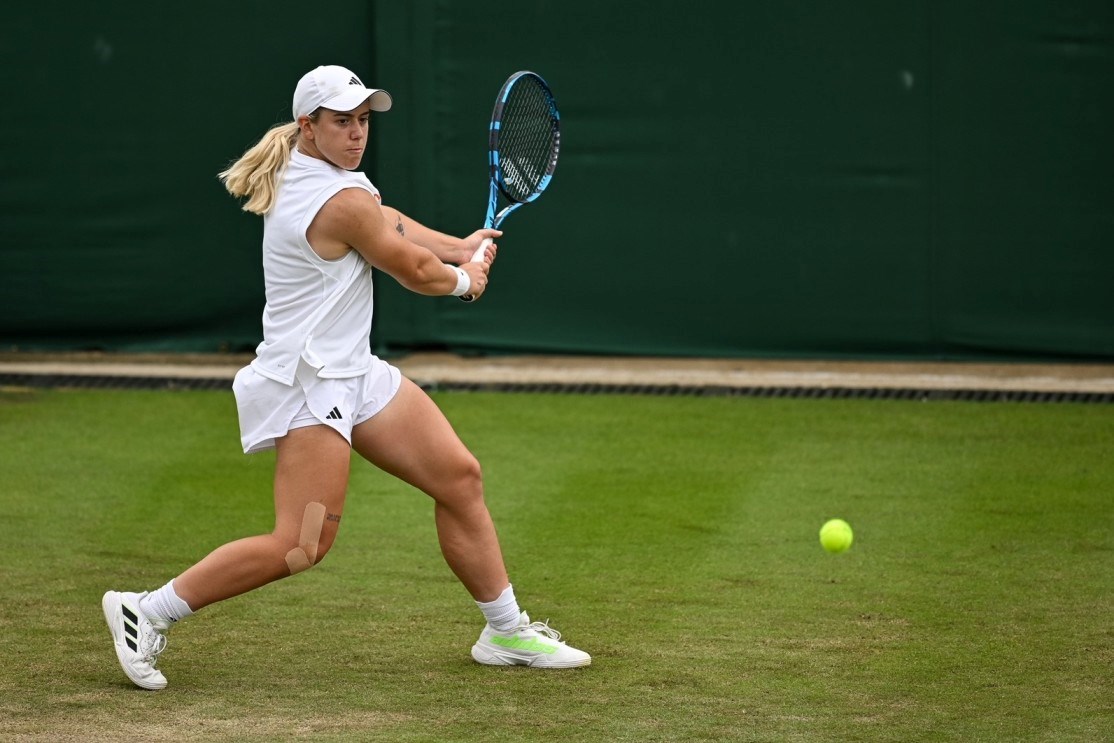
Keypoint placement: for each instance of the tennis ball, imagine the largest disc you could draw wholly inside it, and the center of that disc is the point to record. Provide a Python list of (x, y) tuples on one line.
[(836, 536)]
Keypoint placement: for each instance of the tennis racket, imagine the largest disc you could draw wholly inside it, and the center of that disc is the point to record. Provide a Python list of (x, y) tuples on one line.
[(523, 144)]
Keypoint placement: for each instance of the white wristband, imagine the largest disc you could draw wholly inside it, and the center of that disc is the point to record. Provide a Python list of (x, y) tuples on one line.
[(463, 281)]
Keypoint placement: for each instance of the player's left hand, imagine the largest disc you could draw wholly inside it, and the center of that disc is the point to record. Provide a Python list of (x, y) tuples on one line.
[(472, 244)]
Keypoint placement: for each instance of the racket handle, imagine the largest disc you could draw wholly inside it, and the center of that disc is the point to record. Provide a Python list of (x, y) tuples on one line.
[(479, 254), (477, 257)]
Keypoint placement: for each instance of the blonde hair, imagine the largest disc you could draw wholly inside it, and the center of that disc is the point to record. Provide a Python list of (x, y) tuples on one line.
[(255, 173)]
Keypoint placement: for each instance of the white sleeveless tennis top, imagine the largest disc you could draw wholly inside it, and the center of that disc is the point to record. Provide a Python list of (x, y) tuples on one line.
[(317, 310)]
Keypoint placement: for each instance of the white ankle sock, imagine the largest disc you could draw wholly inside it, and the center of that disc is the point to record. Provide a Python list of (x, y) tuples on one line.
[(502, 613), (165, 604)]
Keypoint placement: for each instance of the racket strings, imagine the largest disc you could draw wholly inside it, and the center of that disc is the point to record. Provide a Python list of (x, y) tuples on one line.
[(528, 139)]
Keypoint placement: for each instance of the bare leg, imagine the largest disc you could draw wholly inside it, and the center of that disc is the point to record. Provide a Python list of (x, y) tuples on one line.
[(412, 440), (311, 464)]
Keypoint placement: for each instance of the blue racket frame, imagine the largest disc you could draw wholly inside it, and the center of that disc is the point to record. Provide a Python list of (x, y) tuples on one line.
[(498, 183)]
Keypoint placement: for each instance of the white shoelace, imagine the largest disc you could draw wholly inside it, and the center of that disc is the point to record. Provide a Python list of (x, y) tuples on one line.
[(543, 628), (153, 644)]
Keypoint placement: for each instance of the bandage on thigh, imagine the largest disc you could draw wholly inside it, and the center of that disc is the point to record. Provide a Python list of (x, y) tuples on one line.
[(304, 555)]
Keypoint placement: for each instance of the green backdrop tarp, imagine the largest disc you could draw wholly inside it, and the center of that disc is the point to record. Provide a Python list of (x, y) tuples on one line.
[(911, 179), (115, 231)]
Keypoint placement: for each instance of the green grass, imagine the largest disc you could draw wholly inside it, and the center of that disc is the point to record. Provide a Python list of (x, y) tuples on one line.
[(673, 538)]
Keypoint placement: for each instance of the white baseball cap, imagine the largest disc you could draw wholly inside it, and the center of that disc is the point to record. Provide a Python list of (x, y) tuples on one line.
[(336, 88)]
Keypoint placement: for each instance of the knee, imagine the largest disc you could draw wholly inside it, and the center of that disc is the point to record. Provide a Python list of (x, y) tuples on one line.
[(301, 557), (469, 477), (315, 539), (461, 483), (328, 536)]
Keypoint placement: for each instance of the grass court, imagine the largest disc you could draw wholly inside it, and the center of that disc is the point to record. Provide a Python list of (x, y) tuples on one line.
[(673, 538)]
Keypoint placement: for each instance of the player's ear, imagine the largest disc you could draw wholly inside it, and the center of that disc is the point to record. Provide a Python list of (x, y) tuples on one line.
[(305, 127)]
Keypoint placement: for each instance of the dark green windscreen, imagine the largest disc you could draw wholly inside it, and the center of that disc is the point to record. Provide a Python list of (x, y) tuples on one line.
[(896, 180)]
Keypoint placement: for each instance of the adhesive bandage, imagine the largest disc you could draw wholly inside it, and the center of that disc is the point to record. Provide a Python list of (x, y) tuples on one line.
[(304, 555)]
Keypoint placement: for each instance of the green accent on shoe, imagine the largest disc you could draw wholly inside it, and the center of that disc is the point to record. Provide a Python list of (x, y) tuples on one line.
[(518, 643)]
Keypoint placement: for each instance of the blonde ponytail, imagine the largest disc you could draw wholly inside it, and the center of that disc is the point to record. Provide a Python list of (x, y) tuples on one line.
[(254, 174)]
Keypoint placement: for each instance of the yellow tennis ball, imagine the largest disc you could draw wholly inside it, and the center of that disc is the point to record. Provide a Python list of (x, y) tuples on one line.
[(836, 536)]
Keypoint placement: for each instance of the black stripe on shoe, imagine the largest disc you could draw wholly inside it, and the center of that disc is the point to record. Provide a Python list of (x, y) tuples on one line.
[(131, 628)]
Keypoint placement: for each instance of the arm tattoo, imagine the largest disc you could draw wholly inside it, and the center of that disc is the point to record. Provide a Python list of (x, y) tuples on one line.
[(332, 517), (398, 227)]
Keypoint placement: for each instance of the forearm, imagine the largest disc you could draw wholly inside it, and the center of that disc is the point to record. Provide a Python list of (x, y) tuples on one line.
[(447, 248), (433, 278)]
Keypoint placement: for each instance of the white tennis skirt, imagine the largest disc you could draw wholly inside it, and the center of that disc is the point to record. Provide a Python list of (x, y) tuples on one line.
[(269, 410)]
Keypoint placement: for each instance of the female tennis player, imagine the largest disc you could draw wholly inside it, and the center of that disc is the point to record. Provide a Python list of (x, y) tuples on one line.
[(315, 392)]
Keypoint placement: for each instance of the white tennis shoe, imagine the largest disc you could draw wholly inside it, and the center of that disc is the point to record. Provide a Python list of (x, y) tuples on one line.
[(533, 644), (138, 640)]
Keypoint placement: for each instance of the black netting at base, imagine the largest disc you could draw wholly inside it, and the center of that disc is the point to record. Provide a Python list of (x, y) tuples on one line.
[(86, 381)]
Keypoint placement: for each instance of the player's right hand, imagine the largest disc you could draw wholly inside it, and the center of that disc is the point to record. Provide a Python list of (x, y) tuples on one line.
[(478, 273)]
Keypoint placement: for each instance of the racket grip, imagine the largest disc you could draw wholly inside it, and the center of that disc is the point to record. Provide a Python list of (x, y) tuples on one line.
[(479, 254), (477, 257)]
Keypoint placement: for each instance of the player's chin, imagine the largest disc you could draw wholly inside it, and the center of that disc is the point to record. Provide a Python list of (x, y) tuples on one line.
[(352, 158)]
